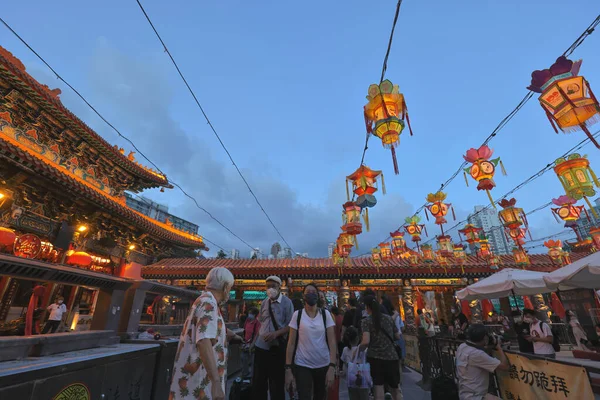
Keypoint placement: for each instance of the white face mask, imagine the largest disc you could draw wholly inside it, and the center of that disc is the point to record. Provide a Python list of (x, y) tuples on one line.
[(272, 293), (60, 301)]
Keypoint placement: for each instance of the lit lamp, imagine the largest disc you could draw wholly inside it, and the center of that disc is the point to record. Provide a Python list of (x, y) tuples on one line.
[(445, 246), (80, 259), (577, 178), (595, 234), (459, 253), (386, 251), (428, 254), (484, 248), (521, 258), (471, 233), (364, 185), (7, 238), (376, 255), (351, 218), (398, 242), (555, 250), (414, 229)]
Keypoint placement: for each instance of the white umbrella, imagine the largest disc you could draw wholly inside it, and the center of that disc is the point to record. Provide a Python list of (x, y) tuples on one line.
[(583, 273), (504, 283)]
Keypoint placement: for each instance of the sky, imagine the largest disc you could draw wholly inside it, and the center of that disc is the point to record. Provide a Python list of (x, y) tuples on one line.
[(284, 84)]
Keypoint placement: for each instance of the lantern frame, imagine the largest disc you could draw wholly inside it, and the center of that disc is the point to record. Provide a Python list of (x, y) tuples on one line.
[(351, 218)]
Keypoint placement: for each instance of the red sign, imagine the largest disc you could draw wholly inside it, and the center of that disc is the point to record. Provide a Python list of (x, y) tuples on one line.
[(28, 246)]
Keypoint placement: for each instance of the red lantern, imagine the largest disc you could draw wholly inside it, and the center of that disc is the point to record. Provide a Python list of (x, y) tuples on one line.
[(398, 242), (438, 208), (483, 169), (80, 259), (512, 218), (569, 213), (351, 219), (414, 229), (485, 250), (521, 258), (7, 237), (472, 233), (386, 251), (445, 246)]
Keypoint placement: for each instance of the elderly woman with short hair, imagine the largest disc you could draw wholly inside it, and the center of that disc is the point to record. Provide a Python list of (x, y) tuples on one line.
[(200, 368)]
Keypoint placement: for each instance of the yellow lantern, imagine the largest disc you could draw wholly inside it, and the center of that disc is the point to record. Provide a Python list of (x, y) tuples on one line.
[(485, 250), (577, 178), (521, 258), (376, 255), (428, 254), (386, 251), (555, 251)]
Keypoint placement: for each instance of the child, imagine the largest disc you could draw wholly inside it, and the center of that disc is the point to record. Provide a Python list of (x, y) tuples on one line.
[(352, 354)]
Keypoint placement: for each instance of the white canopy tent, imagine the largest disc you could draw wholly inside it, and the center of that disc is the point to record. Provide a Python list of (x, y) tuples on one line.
[(504, 283), (582, 274)]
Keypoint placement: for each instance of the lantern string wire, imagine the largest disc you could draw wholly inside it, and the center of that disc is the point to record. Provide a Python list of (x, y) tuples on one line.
[(208, 121), (587, 32), (138, 151)]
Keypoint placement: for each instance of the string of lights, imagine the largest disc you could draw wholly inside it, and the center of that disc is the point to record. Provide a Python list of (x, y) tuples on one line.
[(210, 124), (584, 35), (118, 132)]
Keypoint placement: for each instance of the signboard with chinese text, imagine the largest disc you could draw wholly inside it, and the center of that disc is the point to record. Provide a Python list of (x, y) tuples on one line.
[(437, 282), (543, 379), (412, 358), (27, 246)]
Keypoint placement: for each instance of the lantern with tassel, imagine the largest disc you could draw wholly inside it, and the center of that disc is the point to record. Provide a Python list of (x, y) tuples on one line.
[(512, 218), (569, 213), (364, 185), (566, 97), (595, 234), (483, 169), (471, 233), (485, 250), (384, 115), (555, 251), (577, 178), (428, 254), (386, 251), (414, 229), (459, 253), (398, 243), (445, 246), (351, 218), (376, 255), (521, 257), (438, 208)]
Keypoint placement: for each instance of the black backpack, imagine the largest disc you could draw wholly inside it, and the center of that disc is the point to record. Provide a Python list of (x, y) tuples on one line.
[(322, 310)]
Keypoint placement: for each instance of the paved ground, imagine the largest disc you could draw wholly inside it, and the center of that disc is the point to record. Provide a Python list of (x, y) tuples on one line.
[(410, 389)]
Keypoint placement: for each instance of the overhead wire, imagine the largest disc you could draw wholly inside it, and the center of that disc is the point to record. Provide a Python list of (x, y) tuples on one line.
[(210, 124), (118, 132)]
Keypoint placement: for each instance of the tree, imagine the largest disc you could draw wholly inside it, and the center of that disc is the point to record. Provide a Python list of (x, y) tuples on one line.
[(221, 255)]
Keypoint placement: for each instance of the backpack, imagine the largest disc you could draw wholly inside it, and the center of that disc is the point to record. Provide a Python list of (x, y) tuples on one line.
[(322, 310), (555, 341)]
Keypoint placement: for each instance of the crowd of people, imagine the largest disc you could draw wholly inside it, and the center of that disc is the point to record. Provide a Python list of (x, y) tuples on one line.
[(300, 347)]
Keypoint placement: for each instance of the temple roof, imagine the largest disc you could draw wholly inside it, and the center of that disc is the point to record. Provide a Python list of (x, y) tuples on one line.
[(189, 268), (13, 70)]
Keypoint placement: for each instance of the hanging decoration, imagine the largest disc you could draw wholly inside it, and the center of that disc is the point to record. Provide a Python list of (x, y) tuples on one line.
[(566, 97), (569, 213), (485, 250), (7, 238), (556, 252), (384, 115), (445, 246), (398, 243), (512, 219), (460, 256), (376, 256), (351, 218), (577, 177), (595, 234), (364, 185), (427, 253), (438, 208), (471, 233), (385, 251), (414, 229), (344, 244), (483, 169), (521, 257)]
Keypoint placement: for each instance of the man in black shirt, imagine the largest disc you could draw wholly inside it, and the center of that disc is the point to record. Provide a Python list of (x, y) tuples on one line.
[(459, 322), (522, 330)]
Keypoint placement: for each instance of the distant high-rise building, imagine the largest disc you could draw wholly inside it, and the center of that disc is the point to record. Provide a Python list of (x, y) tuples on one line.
[(159, 212), (235, 254), (285, 253), (488, 220), (271, 257), (275, 249), (256, 252), (330, 249)]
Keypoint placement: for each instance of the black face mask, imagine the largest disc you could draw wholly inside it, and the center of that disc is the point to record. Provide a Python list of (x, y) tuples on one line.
[(311, 298)]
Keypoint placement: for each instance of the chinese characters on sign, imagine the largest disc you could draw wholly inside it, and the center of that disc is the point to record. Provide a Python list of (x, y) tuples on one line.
[(538, 379), (412, 360), (28, 246)]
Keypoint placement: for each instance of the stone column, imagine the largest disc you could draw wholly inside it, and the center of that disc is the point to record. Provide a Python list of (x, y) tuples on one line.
[(540, 307), (409, 308), (343, 293), (476, 317), (107, 313)]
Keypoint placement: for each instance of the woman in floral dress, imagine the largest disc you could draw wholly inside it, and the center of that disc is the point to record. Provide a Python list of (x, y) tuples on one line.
[(200, 370)]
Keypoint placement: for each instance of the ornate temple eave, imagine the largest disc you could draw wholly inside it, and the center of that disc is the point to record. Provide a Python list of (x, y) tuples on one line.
[(14, 71)]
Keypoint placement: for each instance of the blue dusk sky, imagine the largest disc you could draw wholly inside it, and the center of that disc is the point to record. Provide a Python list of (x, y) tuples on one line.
[(284, 83)]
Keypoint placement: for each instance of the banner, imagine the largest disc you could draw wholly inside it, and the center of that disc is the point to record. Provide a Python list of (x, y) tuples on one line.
[(412, 359), (543, 379)]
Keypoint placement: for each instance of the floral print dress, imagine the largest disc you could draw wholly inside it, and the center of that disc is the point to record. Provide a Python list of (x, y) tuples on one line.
[(190, 378)]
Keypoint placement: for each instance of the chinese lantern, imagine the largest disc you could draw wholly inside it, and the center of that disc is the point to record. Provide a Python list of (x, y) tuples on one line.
[(445, 246), (385, 251), (7, 238), (414, 229), (344, 244), (459, 253), (428, 254), (512, 218), (577, 178), (384, 115), (471, 233), (376, 255), (485, 250), (493, 261), (351, 218), (438, 208), (567, 98), (483, 169), (555, 250), (398, 242), (521, 258), (364, 184), (595, 234), (569, 213), (80, 259)]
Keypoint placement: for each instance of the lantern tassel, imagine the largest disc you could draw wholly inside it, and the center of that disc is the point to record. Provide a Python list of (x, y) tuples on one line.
[(382, 184), (594, 177), (489, 197), (356, 242), (453, 214), (426, 215), (587, 215), (408, 119), (502, 168), (396, 171), (462, 269), (466, 180), (591, 207), (366, 218), (347, 190), (556, 218)]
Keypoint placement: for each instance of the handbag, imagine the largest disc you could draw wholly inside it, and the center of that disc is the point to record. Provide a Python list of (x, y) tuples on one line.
[(359, 372), (396, 345)]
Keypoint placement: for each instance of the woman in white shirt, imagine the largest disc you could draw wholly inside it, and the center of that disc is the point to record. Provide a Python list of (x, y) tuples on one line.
[(578, 332), (311, 351)]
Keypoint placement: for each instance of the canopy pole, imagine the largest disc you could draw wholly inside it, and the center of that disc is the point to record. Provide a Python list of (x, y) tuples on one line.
[(515, 298)]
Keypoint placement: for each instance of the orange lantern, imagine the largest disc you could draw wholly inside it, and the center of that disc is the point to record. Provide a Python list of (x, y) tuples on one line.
[(376, 255), (512, 218), (471, 233), (485, 250), (577, 178), (80, 259), (351, 218), (445, 246), (414, 229), (384, 115), (569, 213), (566, 97), (428, 254), (438, 208), (459, 253), (595, 234), (483, 169), (386, 251), (364, 185), (555, 250), (398, 242), (7, 238), (521, 257)]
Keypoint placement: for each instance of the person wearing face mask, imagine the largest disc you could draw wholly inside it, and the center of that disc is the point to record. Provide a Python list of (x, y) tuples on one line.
[(251, 328), (459, 322), (521, 328), (541, 335), (311, 356), (200, 367), (269, 351), (57, 310)]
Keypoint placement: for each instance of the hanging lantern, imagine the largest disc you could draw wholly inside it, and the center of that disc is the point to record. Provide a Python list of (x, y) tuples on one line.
[(471, 233), (376, 255), (364, 184), (445, 246), (386, 251), (595, 234), (80, 259), (7, 238), (569, 213), (413, 259), (483, 169), (438, 208), (555, 251), (485, 250), (351, 218), (567, 98), (398, 242), (384, 115), (459, 253), (428, 254), (521, 257), (414, 229), (577, 178), (512, 217)]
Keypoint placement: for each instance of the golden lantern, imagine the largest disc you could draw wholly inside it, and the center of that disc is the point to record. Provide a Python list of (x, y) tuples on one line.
[(483, 169), (414, 229), (80, 259), (351, 218), (386, 251), (567, 210), (364, 185), (376, 255), (512, 217), (485, 250), (428, 254), (384, 115), (577, 178), (445, 246), (471, 233), (555, 251), (566, 97), (438, 208), (7, 238), (398, 242), (521, 257)]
